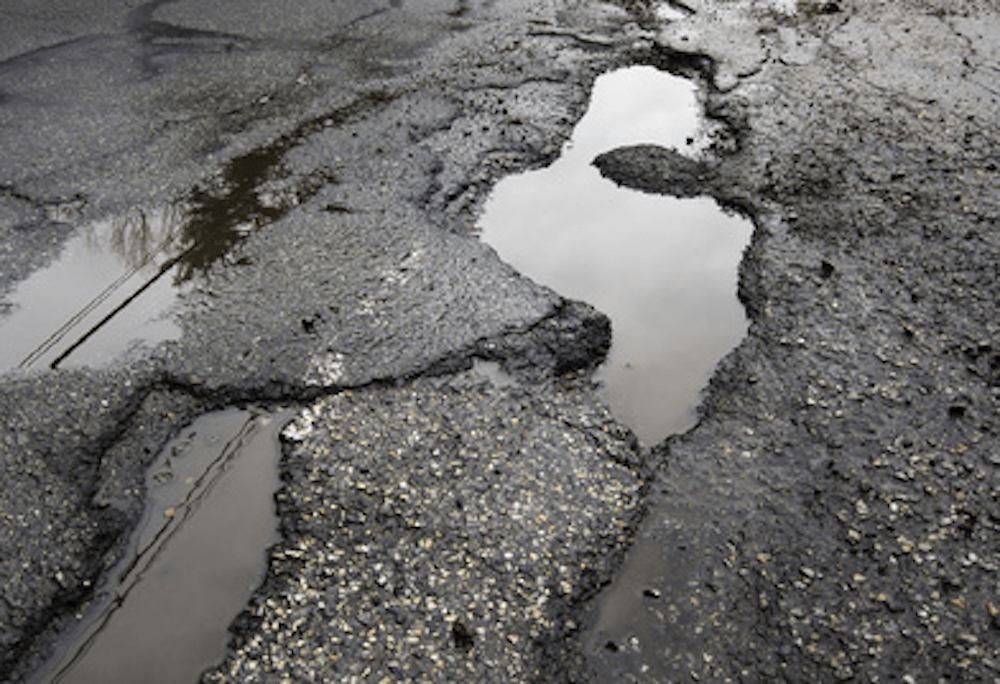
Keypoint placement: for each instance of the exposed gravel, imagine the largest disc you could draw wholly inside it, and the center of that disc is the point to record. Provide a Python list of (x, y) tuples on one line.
[(439, 531), (841, 490)]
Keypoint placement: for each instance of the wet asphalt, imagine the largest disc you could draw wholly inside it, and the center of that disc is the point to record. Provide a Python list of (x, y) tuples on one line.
[(831, 517)]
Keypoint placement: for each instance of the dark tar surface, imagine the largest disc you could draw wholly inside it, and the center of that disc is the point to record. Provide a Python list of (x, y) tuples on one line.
[(832, 517)]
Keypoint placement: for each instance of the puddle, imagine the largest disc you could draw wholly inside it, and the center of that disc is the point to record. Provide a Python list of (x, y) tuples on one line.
[(113, 286), (642, 632), (663, 269), (163, 614), (108, 291)]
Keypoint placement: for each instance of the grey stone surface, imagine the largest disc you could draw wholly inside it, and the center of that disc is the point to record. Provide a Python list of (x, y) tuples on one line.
[(838, 496), (833, 515), (439, 531)]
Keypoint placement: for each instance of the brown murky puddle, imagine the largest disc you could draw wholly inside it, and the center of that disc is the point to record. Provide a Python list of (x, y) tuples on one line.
[(663, 269), (162, 615)]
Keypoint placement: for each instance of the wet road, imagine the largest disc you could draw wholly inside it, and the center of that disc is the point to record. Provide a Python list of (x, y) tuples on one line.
[(338, 154), (831, 517)]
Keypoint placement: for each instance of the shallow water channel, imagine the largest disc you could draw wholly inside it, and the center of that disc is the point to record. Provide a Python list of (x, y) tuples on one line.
[(663, 269), (162, 615)]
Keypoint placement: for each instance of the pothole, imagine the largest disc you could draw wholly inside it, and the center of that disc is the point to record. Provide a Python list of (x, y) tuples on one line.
[(163, 613), (117, 269), (116, 280), (663, 269)]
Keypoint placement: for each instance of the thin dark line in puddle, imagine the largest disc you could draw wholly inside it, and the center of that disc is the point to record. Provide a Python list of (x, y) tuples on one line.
[(95, 273), (79, 316), (164, 269), (163, 613), (663, 269)]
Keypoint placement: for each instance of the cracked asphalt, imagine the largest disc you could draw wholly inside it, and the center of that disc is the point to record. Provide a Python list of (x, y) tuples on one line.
[(443, 530), (833, 516), (839, 498)]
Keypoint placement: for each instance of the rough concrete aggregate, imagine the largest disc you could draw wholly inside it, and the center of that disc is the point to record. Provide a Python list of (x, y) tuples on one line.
[(840, 489), (439, 531)]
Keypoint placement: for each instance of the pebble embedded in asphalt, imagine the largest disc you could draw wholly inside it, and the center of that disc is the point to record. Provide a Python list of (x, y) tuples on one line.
[(439, 531)]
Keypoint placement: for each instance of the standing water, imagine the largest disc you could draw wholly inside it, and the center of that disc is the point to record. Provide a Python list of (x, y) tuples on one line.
[(163, 614), (114, 269), (663, 269)]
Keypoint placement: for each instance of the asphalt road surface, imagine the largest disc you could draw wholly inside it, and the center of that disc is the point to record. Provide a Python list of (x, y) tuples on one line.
[(832, 516)]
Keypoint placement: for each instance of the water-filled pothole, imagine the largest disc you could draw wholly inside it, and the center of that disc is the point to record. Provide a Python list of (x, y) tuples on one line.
[(109, 289), (663, 269), (115, 280), (163, 613)]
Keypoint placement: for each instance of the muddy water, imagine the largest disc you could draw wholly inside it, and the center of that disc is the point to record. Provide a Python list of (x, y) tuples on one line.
[(664, 270), (162, 616), (642, 631)]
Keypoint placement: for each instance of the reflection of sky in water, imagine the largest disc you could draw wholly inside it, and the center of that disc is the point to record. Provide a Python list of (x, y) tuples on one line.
[(193, 563), (114, 282), (663, 269), (97, 271)]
